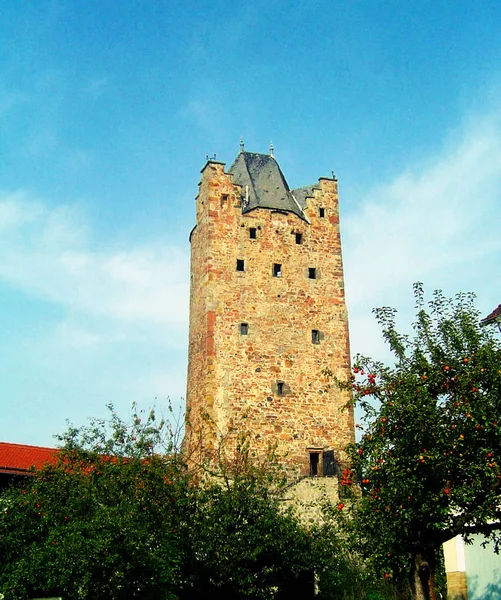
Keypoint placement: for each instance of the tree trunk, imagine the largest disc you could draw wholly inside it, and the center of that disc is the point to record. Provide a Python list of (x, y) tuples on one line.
[(423, 578)]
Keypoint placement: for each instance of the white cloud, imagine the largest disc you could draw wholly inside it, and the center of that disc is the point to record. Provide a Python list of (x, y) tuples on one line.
[(437, 223), (48, 254), (116, 329)]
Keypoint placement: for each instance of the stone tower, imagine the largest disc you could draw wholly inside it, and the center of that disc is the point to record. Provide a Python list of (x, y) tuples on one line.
[(268, 314)]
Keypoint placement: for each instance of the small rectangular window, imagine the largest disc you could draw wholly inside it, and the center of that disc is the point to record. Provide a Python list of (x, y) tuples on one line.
[(312, 273), (315, 336), (253, 233), (280, 388), (321, 212), (240, 264), (299, 238), (244, 328), (277, 270)]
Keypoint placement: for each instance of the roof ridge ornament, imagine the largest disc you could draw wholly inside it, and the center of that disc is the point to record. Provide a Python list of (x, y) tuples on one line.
[(271, 150), (241, 144)]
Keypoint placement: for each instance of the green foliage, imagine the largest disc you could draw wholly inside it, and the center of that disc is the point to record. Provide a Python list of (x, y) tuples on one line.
[(247, 546), (429, 458), (99, 523), (344, 576), (119, 517)]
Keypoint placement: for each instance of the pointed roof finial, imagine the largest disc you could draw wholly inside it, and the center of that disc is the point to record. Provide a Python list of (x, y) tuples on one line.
[(241, 144), (271, 148)]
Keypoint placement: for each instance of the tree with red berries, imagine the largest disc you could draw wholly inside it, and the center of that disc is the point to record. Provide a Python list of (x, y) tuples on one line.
[(429, 459)]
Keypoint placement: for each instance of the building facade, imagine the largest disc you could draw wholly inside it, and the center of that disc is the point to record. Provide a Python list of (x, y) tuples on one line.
[(268, 318)]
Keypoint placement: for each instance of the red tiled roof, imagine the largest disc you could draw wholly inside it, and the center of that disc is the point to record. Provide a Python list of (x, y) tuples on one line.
[(19, 458), (494, 316)]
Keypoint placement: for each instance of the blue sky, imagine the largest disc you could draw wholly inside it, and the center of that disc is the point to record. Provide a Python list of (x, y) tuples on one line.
[(107, 111)]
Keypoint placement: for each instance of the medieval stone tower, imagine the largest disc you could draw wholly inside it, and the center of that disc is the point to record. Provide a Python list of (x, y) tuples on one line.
[(268, 314)]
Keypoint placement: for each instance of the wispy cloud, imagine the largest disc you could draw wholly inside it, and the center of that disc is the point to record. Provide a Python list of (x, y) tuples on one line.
[(437, 223), (48, 254), (116, 330)]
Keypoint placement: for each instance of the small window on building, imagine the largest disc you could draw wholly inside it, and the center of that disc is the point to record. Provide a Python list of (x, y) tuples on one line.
[(321, 212), (314, 460), (277, 270), (224, 199), (240, 264), (315, 336), (244, 328), (253, 233), (312, 273), (299, 238), (280, 388)]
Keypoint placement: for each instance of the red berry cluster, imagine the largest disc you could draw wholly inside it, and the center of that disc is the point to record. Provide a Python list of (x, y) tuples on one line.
[(347, 478)]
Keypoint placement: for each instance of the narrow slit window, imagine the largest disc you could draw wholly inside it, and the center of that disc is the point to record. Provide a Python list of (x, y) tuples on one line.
[(244, 328), (240, 264), (253, 233), (280, 388), (299, 238), (312, 273), (315, 336), (321, 212), (224, 199), (277, 270), (314, 460)]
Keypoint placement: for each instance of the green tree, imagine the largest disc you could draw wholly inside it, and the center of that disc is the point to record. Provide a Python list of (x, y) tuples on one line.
[(428, 461), (100, 523), (120, 517), (245, 542), (241, 540)]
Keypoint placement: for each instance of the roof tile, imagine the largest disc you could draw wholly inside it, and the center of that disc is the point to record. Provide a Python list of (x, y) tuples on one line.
[(493, 317), (16, 458)]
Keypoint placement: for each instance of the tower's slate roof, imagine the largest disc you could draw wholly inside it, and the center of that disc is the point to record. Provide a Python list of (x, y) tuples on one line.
[(302, 193), (263, 184)]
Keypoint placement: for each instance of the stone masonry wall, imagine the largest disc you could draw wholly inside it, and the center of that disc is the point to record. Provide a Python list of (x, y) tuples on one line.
[(237, 378)]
